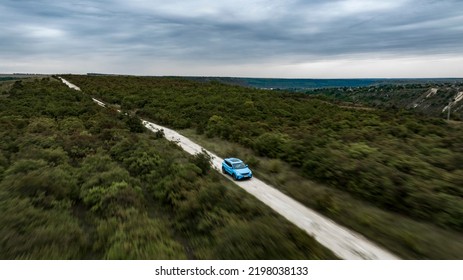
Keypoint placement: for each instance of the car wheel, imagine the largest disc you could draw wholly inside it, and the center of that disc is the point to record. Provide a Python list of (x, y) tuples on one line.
[(223, 170), (234, 177)]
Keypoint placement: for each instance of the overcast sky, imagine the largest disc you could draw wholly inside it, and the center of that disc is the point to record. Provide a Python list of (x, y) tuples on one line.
[(246, 38)]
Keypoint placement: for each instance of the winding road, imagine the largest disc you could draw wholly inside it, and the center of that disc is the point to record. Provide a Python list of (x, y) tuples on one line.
[(344, 242)]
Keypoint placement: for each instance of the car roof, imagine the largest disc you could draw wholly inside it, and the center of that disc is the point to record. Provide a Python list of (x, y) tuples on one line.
[(234, 160)]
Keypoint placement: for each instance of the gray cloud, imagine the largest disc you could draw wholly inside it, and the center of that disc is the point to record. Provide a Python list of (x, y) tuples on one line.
[(227, 32)]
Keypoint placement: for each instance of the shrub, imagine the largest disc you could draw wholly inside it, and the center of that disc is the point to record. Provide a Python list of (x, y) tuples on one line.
[(203, 160), (135, 236), (270, 144), (109, 200), (134, 124)]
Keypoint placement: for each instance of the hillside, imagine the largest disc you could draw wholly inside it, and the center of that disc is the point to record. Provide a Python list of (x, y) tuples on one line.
[(291, 84), (430, 99), (408, 167), (301, 85), (425, 96), (79, 182)]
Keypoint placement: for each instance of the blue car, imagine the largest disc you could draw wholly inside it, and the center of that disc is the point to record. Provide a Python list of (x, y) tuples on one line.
[(236, 168)]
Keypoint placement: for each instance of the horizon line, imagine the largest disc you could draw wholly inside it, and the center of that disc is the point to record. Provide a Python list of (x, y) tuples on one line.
[(235, 77)]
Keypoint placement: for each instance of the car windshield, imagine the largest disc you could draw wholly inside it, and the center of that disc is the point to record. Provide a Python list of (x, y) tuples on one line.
[(239, 165)]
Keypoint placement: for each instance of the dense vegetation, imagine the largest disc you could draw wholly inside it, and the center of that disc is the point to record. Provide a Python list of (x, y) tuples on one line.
[(81, 182), (405, 236), (2, 79), (403, 163), (396, 160), (427, 98)]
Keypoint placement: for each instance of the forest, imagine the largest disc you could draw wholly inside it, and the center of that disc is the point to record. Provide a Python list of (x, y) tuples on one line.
[(428, 98), (396, 160), (81, 182)]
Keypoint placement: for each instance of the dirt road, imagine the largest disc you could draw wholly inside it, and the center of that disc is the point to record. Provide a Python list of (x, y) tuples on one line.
[(343, 242)]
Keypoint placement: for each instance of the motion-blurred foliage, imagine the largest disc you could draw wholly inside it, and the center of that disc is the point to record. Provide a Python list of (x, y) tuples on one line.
[(395, 159), (81, 182)]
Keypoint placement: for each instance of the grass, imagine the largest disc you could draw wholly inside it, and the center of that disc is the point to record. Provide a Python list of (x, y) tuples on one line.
[(403, 236)]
